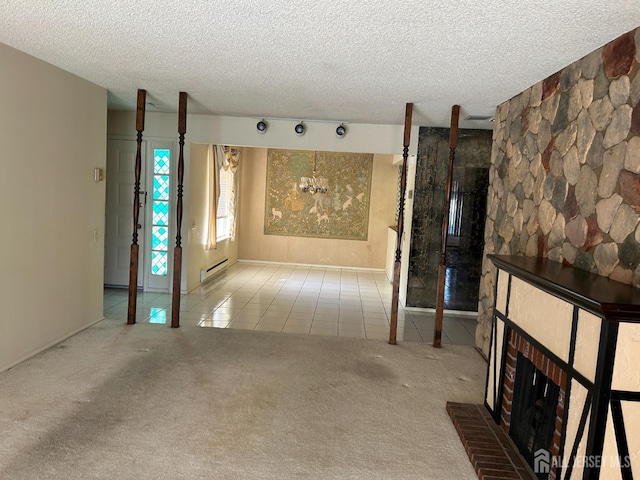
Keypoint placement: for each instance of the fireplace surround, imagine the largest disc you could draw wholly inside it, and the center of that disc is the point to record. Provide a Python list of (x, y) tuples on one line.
[(576, 335)]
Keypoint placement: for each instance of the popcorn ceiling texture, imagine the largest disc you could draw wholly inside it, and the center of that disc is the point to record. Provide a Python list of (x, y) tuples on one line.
[(332, 60), (565, 171)]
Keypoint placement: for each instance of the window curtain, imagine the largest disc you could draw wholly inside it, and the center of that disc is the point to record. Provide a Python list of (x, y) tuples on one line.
[(232, 161), (215, 159)]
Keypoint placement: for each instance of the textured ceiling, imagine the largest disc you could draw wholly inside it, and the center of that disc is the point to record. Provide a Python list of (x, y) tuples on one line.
[(357, 61)]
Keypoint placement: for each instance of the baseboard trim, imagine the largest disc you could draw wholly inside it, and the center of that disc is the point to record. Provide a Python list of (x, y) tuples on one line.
[(49, 345), (312, 265)]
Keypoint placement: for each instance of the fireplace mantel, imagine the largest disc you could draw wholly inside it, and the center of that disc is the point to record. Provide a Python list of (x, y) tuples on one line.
[(611, 300), (582, 331)]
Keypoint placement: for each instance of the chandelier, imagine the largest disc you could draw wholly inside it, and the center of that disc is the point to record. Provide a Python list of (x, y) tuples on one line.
[(313, 184)]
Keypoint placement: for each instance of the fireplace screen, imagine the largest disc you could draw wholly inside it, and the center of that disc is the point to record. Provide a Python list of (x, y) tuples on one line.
[(535, 399)]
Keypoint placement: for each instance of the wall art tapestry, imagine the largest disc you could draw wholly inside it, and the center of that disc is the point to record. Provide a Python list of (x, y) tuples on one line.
[(342, 212)]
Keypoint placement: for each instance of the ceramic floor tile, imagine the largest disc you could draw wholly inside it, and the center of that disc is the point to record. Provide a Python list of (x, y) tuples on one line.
[(193, 316), (326, 332), (303, 309), (202, 309), (213, 323), (296, 328), (376, 328), (345, 302), (373, 321), (325, 318), (352, 334), (299, 321), (300, 316), (254, 310), (246, 318), (351, 319), (275, 315), (268, 327), (343, 327), (242, 325)]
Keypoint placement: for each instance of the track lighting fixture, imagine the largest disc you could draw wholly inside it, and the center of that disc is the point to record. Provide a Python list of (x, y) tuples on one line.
[(341, 131), (299, 128), (261, 126)]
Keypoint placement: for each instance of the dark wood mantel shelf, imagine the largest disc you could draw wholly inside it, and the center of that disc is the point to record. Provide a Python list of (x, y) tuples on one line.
[(606, 298)]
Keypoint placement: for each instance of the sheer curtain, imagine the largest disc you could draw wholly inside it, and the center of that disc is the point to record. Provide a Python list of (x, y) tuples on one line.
[(215, 159), (232, 161), (221, 158)]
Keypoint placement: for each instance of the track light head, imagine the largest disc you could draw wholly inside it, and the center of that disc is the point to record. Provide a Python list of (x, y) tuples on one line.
[(261, 126), (299, 129), (341, 131)]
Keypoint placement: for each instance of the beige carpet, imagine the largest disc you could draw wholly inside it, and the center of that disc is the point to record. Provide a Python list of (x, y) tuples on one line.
[(149, 402)]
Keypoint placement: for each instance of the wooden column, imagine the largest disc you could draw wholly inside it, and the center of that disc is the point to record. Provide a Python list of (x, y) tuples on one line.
[(442, 269), (403, 185), (135, 248), (177, 251)]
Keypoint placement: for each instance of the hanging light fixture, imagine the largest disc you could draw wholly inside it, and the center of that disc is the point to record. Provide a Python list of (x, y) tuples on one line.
[(313, 184)]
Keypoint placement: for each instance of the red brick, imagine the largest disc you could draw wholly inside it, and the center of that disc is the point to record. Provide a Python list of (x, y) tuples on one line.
[(492, 473)]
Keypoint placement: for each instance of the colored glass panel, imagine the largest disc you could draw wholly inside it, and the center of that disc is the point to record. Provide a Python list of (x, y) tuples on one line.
[(160, 211), (161, 161), (159, 263), (160, 239), (161, 187)]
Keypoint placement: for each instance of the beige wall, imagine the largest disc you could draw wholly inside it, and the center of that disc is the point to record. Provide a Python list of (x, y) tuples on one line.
[(198, 258), (53, 135), (255, 245)]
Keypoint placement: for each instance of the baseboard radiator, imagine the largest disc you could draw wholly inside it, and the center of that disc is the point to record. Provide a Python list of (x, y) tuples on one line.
[(217, 268)]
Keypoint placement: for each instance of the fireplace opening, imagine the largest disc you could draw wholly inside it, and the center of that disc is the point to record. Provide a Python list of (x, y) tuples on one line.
[(533, 414)]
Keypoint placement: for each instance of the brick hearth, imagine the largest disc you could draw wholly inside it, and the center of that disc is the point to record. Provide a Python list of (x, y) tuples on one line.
[(489, 448)]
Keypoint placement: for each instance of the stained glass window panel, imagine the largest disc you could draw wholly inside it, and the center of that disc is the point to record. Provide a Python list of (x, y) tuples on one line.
[(160, 239), (161, 161), (159, 263), (161, 187), (160, 211)]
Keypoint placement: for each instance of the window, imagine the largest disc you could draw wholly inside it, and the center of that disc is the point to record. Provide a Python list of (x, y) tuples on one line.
[(160, 212), (223, 217)]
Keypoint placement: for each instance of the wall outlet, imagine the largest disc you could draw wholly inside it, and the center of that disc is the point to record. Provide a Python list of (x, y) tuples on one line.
[(96, 232)]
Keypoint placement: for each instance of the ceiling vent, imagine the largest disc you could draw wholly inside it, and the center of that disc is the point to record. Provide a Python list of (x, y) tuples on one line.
[(481, 118)]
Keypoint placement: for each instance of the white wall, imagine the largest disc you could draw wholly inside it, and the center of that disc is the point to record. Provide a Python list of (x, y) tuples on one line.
[(53, 135), (241, 131)]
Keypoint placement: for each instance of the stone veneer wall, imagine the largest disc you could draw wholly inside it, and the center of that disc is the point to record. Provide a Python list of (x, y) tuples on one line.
[(564, 176)]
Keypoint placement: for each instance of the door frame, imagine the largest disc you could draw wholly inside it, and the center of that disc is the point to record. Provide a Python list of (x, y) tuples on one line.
[(151, 282), (150, 143)]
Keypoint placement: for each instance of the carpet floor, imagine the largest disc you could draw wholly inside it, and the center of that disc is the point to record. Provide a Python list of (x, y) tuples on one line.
[(147, 401)]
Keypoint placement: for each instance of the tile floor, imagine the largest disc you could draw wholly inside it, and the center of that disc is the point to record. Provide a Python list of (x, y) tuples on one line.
[(294, 299)]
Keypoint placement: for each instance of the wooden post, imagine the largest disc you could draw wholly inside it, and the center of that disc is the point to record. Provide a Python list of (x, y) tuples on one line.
[(442, 269), (177, 251), (135, 248), (403, 185)]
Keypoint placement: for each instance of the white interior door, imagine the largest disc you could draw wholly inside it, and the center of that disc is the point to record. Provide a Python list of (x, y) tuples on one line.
[(121, 161)]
